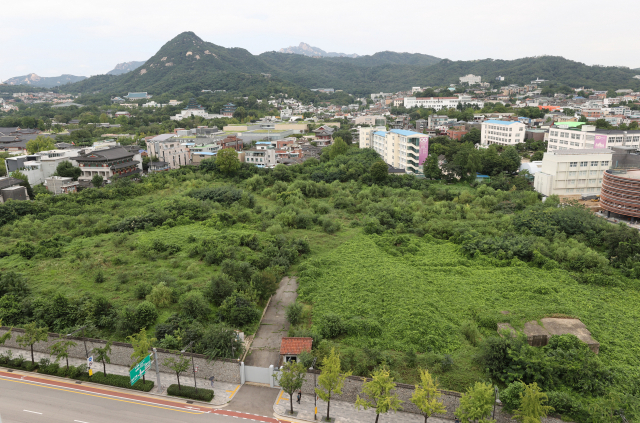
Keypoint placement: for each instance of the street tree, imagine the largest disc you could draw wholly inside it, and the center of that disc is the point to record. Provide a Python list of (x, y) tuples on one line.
[(97, 181), (339, 147), (378, 394), (32, 334), (61, 349), (227, 161), (102, 355), (330, 380), (532, 408), (178, 364), (290, 379), (426, 395), (39, 143), (141, 345), (476, 404), (431, 167)]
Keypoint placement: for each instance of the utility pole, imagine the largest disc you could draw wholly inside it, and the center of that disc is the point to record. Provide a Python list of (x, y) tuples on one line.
[(86, 352), (315, 396), (195, 385), (495, 401), (155, 355)]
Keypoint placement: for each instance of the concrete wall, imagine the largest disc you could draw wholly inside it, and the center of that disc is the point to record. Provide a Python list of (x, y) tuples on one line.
[(224, 370)]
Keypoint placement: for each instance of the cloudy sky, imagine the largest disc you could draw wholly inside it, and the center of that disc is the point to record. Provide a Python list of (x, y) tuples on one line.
[(76, 37)]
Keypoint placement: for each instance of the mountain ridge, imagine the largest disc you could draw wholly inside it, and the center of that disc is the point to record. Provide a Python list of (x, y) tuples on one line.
[(125, 67), (44, 81), (307, 50)]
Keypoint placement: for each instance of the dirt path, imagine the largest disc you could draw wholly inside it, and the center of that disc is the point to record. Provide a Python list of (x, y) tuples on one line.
[(265, 349)]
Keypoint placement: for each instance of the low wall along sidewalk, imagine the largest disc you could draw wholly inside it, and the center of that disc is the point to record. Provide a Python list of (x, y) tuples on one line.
[(224, 370)]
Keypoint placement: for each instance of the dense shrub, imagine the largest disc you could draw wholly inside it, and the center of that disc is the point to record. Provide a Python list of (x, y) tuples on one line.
[(294, 313), (218, 288), (194, 306), (202, 394), (510, 396), (238, 310)]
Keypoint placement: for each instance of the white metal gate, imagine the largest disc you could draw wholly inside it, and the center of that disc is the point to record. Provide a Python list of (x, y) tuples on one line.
[(258, 374)]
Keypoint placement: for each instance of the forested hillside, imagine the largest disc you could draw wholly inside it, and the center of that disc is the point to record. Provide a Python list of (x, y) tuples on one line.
[(188, 63)]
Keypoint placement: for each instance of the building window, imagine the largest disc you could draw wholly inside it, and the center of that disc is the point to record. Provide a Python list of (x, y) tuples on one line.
[(604, 163), (594, 163), (584, 164), (573, 164)]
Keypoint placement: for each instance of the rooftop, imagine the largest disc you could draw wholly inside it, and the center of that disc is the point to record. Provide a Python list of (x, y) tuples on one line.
[(406, 133), (502, 122), (578, 151), (295, 346)]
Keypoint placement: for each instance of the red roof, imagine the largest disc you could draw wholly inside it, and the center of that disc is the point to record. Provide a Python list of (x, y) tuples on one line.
[(295, 346)]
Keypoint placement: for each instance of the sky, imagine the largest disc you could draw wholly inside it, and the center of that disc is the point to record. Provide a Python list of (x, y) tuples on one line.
[(86, 38)]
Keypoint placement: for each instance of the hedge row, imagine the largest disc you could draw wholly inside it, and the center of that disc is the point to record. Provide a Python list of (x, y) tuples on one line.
[(205, 395), (77, 373)]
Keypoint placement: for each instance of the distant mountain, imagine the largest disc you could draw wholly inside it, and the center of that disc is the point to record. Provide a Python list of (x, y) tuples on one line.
[(125, 67), (189, 64), (43, 81), (307, 50)]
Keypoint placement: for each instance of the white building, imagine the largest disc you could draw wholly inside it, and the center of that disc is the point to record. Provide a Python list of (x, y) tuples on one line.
[(402, 149), (37, 167), (569, 137), (470, 79), (261, 156), (365, 135), (438, 103), (169, 150), (572, 172), (502, 132)]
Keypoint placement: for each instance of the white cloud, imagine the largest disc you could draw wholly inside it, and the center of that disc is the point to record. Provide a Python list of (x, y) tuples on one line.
[(70, 36)]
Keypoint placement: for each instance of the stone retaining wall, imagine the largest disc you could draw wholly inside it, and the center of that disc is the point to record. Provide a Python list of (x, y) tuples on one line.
[(224, 370)]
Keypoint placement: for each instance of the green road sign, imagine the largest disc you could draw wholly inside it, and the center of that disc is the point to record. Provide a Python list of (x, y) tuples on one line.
[(140, 369)]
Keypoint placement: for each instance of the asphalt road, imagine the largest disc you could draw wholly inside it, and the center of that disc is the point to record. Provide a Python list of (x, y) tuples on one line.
[(33, 403)]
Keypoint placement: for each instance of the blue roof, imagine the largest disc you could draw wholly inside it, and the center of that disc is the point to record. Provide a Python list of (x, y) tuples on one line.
[(188, 143), (263, 142), (380, 133), (501, 122), (204, 153), (405, 133)]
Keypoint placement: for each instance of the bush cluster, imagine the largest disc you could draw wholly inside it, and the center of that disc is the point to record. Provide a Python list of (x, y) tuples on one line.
[(202, 394)]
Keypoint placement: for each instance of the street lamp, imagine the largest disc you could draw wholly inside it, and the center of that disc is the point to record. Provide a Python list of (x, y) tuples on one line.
[(495, 390), (86, 352), (315, 396), (195, 386)]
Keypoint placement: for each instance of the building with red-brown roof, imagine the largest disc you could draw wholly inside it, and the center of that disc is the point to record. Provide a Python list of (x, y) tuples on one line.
[(290, 348)]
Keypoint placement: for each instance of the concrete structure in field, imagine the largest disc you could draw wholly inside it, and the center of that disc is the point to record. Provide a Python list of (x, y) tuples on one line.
[(576, 135), (61, 185), (169, 149), (570, 172), (502, 132), (406, 150), (365, 136)]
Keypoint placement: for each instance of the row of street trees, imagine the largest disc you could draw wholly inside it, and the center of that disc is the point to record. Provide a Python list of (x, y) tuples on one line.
[(378, 393)]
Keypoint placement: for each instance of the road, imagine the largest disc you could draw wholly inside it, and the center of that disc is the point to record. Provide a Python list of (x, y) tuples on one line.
[(30, 401)]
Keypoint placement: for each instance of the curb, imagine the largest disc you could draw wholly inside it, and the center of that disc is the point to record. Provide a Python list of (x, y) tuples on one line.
[(286, 418), (109, 387)]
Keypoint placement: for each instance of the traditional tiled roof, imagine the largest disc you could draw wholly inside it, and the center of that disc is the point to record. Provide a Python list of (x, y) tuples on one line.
[(295, 346)]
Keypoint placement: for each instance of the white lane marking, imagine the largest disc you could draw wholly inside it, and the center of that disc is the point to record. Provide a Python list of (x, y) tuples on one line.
[(79, 421), (34, 412)]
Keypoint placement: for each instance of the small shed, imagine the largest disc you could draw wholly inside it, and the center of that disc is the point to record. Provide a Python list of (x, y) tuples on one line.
[(290, 348)]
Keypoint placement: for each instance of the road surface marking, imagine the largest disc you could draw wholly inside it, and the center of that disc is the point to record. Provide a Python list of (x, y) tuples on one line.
[(34, 412), (105, 396), (233, 392), (79, 421)]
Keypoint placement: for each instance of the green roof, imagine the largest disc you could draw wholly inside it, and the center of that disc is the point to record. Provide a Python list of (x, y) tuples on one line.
[(570, 124)]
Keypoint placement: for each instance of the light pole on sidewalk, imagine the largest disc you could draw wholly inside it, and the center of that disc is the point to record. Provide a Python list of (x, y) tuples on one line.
[(315, 396), (86, 352), (195, 386)]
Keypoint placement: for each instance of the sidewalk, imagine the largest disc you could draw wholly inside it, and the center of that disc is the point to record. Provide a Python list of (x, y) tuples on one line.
[(223, 391), (343, 412)]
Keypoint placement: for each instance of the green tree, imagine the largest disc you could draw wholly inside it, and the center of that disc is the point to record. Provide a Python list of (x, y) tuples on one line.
[(227, 161), (178, 364), (61, 349), (337, 148), (102, 354), (290, 379), (330, 380), (161, 295), (240, 113), (379, 171), (431, 167), (476, 404), (194, 306), (32, 334), (537, 156), (67, 170), (426, 395), (39, 143), (532, 408), (378, 394), (473, 136), (5, 337), (511, 159), (141, 345), (104, 118), (97, 181)]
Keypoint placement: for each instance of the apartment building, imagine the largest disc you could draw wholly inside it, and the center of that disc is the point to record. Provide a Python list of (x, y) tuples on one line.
[(572, 172), (261, 157), (502, 132), (169, 149), (577, 136), (365, 135), (402, 149), (439, 103)]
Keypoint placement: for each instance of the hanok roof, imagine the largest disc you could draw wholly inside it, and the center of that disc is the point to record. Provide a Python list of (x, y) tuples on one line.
[(294, 346), (113, 153), (8, 131)]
